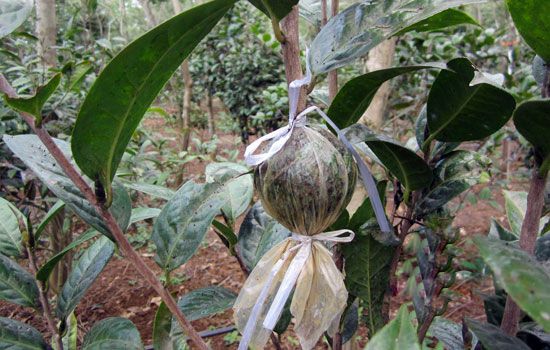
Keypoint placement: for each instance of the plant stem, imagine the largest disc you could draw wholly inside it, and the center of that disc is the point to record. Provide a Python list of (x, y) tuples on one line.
[(47, 312), (291, 52), (333, 74), (124, 245)]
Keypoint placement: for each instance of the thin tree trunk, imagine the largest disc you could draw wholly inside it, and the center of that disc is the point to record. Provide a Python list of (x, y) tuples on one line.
[(333, 74), (379, 58), (291, 52), (46, 31), (122, 20), (210, 109), (149, 15)]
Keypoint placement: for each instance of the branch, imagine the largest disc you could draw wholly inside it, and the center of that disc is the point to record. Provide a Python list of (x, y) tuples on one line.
[(124, 245), (291, 52)]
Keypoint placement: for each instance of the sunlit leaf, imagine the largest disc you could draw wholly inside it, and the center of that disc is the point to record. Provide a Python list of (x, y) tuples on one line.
[(399, 334), (10, 232), (12, 14)]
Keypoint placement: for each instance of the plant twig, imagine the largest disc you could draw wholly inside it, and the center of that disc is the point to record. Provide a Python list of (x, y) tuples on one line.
[(123, 243), (333, 74)]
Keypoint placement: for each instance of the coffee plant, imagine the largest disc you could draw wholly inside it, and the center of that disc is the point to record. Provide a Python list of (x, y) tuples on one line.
[(417, 183)]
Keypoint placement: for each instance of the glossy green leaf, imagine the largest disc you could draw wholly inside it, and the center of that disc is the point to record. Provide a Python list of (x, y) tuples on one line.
[(162, 327), (12, 14), (356, 95), (238, 192), (532, 120), (455, 173), (17, 286), (15, 335), (493, 338), (356, 30), (10, 232), (399, 334), (447, 332), (274, 8), (404, 164), (531, 20), (152, 190), (201, 303), (184, 221), (113, 333), (33, 105), (142, 213), (52, 213), (368, 275), (515, 203), (259, 232), (445, 19), (33, 153), (496, 230), (85, 271), (523, 278), (226, 233), (458, 111), (128, 85), (44, 273)]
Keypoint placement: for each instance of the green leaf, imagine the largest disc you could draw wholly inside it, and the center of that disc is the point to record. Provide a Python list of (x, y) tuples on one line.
[(70, 339), (515, 203), (15, 335), (356, 95), (356, 30), (258, 233), (445, 19), (493, 338), (365, 212), (399, 334), (226, 232), (523, 278), (350, 322), (497, 231), (113, 333), (532, 120), (128, 85), (152, 190), (83, 274), (10, 232), (33, 105), (368, 275), (238, 192), (142, 213), (455, 173), (531, 20), (274, 8), (404, 164), (542, 248), (458, 111), (183, 222), (52, 213), (78, 73), (447, 332), (161, 329), (17, 286), (44, 273), (32, 152), (12, 14)]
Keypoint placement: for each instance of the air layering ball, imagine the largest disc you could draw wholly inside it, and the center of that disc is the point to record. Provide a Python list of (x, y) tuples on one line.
[(308, 182)]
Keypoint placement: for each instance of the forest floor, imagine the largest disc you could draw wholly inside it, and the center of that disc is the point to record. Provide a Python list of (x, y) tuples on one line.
[(120, 290)]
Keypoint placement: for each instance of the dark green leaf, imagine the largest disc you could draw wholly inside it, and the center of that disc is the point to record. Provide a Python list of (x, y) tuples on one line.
[(494, 307), (113, 333), (493, 338), (259, 232), (238, 192), (497, 231), (523, 278), (16, 284), (78, 74), (455, 173), (161, 329), (183, 222), (531, 20), (12, 14), (445, 19), (33, 105), (532, 335), (10, 232), (447, 332), (399, 334), (350, 323), (532, 119), (83, 274), (404, 164), (44, 273), (367, 275), (356, 95), (15, 335), (542, 248), (52, 213), (274, 8), (152, 190), (226, 232), (33, 153), (362, 26), (458, 111), (125, 89)]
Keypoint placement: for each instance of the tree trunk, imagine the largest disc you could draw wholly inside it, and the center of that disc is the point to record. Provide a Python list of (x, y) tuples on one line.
[(46, 31), (291, 52), (379, 58), (149, 15), (210, 109), (333, 74), (122, 19)]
